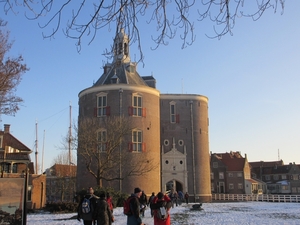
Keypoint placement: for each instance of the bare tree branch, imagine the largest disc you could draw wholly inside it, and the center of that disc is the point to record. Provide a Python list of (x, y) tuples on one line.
[(11, 70), (81, 19), (103, 154)]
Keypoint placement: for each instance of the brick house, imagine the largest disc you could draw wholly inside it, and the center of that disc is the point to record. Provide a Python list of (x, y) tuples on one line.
[(14, 161), (61, 183), (280, 178), (230, 173)]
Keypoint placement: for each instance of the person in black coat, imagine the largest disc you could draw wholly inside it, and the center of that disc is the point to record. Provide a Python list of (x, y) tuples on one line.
[(103, 213), (87, 217)]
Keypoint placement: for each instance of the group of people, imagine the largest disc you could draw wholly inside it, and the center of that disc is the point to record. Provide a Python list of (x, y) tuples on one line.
[(160, 205), (93, 208), (178, 197), (100, 208)]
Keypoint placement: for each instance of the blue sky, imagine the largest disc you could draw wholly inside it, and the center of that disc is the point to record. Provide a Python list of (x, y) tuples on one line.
[(252, 81)]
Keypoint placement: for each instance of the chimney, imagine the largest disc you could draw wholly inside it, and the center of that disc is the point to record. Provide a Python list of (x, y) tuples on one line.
[(6, 128)]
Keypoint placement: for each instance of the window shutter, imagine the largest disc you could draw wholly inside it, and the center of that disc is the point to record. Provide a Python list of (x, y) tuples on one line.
[(143, 112), (130, 146), (143, 147), (95, 112), (177, 118), (108, 110), (130, 110)]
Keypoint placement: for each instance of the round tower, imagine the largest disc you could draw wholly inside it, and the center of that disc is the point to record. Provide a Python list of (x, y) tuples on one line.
[(122, 93)]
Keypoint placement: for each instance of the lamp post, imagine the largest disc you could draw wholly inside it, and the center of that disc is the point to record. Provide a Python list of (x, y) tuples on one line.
[(25, 196)]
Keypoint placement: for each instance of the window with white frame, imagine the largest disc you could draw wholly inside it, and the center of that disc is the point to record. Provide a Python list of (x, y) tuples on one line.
[(240, 186), (211, 176), (221, 175), (137, 105), (102, 140), (137, 142), (172, 112), (230, 174), (231, 186), (283, 176), (101, 104), (215, 164), (239, 174)]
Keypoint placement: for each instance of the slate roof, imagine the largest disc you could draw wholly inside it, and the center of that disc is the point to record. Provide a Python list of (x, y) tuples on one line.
[(266, 164), (126, 74), (233, 160)]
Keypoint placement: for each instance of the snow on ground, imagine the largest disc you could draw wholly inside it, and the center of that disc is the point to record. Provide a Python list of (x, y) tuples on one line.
[(233, 213)]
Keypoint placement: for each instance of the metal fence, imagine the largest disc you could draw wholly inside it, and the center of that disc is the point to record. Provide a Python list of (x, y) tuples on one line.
[(265, 198)]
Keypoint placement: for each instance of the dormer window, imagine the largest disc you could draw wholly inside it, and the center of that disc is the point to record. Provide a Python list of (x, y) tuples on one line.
[(114, 79)]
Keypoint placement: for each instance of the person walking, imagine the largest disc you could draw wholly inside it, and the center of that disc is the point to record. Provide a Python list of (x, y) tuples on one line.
[(186, 197), (103, 214), (143, 203), (135, 217), (161, 205), (86, 207), (110, 202), (150, 202)]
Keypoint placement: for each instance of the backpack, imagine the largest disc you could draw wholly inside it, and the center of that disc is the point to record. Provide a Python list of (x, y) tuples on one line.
[(162, 213), (126, 207), (86, 205)]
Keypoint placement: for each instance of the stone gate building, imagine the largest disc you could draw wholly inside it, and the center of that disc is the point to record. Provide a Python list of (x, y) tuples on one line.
[(172, 128)]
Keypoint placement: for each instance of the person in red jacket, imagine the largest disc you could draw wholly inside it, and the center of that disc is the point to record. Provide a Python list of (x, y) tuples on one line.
[(161, 205)]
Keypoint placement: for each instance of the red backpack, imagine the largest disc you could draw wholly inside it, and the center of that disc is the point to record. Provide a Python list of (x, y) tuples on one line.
[(126, 207)]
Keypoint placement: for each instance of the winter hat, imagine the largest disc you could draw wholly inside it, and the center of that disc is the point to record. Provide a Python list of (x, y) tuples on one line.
[(137, 190), (160, 195)]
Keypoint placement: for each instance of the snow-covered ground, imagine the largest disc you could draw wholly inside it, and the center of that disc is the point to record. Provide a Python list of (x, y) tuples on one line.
[(240, 213)]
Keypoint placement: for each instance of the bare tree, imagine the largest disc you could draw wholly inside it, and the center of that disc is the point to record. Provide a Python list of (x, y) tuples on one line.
[(102, 149), (11, 71), (63, 178), (87, 18)]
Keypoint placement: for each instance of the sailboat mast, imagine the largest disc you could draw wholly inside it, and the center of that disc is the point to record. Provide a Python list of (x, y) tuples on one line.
[(43, 152), (36, 147), (70, 135)]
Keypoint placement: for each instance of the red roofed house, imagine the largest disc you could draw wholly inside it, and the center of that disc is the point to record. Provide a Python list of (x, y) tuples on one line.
[(14, 160), (231, 173)]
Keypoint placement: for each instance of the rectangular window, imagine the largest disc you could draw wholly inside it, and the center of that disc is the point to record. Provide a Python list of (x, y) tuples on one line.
[(221, 175), (137, 141), (275, 177), (211, 176), (240, 186), (212, 187), (231, 186), (239, 174), (267, 177), (230, 174), (172, 113), (137, 105), (215, 164), (101, 105), (283, 176), (102, 140)]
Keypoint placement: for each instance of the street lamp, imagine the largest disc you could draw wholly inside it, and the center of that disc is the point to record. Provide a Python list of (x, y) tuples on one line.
[(25, 173)]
